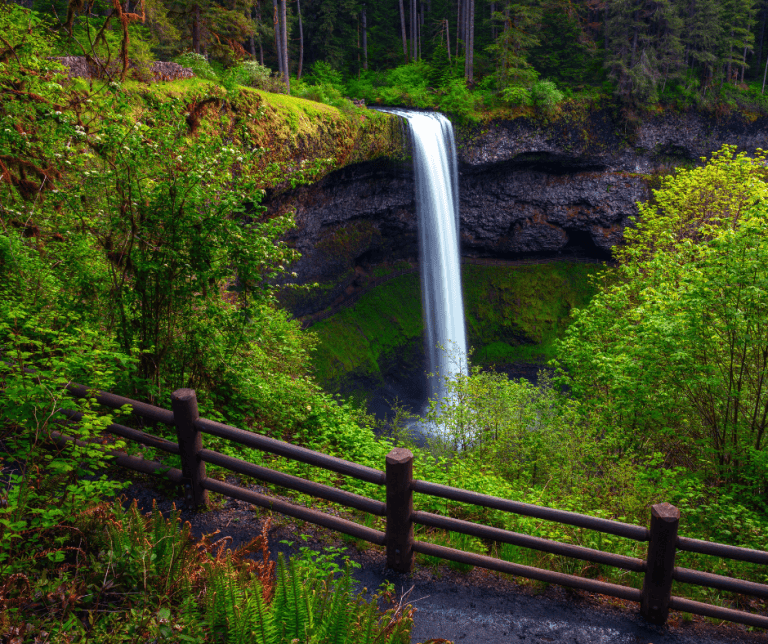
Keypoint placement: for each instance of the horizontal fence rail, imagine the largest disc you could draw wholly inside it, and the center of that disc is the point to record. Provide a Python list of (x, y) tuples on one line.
[(722, 551), (606, 526), (288, 450), (529, 572), (311, 488), (527, 541), (658, 568)]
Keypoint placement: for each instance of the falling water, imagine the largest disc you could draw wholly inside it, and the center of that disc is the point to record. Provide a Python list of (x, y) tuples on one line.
[(437, 210)]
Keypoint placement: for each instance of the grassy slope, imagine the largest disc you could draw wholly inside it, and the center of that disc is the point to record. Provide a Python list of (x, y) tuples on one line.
[(301, 139), (512, 313)]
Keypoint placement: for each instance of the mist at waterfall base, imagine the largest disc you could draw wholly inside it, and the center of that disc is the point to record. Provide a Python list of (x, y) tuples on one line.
[(437, 212)]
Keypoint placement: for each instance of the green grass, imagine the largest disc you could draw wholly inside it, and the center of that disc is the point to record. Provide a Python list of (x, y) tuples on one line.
[(513, 313)]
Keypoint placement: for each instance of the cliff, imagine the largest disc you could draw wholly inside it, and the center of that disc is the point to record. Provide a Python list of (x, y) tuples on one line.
[(532, 187)]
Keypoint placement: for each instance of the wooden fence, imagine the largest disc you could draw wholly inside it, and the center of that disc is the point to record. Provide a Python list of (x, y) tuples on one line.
[(659, 568)]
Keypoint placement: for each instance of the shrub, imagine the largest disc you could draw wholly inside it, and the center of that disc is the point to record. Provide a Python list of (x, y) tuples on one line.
[(458, 99), (323, 73), (517, 95), (261, 77), (545, 94), (198, 64)]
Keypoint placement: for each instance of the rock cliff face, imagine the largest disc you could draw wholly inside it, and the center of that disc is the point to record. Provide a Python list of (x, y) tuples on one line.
[(567, 186)]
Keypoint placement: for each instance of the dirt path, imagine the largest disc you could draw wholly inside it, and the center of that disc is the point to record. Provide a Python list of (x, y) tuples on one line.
[(480, 607)]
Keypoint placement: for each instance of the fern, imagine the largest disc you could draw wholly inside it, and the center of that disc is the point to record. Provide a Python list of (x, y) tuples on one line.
[(335, 623)]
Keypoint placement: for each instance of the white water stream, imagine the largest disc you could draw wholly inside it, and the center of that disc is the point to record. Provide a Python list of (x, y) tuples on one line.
[(437, 210)]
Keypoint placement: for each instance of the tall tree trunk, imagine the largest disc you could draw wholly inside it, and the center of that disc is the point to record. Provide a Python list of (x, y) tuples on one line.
[(764, 75), (301, 39), (284, 27), (730, 58), (760, 40), (365, 40), (459, 26), (414, 44), (258, 19), (448, 39), (196, 28), (402, 31), (421, 24), (469, 36), (251, 39), (278, 38), (743, 62)]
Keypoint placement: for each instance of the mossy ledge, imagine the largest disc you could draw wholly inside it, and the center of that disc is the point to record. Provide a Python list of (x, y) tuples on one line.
[(301, 140)]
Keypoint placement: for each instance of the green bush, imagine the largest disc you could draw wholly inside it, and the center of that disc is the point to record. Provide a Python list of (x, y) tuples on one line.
[(198, 64), (545, 95), (517, 95), (323, 73), (324, 93), (457, 100), (261, 77)]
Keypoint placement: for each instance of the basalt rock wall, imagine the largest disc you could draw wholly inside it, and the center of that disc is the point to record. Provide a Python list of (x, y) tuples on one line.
[(566, 186)]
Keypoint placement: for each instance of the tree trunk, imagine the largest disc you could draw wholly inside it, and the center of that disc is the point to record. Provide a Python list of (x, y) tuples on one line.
[(196, 28), (469, 35), (251, 39), (278, 34), (365, 40), (301, 38), (760, 41), (284, 27), (448, 39), (402, 31), (459, 26), (764, 75), (258, 19), (743, 62), (414, 53)]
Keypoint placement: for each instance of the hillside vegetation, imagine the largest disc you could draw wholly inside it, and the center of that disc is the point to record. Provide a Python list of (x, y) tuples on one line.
[(135, 257)]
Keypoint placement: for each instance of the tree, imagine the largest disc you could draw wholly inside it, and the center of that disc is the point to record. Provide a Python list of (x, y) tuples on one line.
[(674, 353), (517, 36), (402, 31)]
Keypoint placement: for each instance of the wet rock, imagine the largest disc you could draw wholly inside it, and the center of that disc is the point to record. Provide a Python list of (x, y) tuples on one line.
[(528, 188)]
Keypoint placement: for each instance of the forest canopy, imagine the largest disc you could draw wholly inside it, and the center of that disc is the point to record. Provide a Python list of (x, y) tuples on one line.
[(530, 53)]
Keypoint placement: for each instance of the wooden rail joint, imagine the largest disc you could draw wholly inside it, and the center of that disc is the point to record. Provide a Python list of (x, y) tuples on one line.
[(399, 534), (185, 415), (660, 566)]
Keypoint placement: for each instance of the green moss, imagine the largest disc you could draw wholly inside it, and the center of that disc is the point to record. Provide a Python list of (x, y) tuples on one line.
[(517, 312), (359, 340), (350, 239), (513, 313)]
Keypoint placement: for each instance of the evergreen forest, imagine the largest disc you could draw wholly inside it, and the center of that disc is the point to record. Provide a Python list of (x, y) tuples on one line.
[(136, 257)]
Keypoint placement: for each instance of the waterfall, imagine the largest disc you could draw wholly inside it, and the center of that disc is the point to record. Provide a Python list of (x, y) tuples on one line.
[(437, 211)]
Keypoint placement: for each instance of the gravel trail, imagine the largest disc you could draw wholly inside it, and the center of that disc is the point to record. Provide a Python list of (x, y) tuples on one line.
[(479, 607)]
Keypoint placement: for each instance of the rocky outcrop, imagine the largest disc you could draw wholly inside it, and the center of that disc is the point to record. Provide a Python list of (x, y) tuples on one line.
[(528, 188), (81, 67)]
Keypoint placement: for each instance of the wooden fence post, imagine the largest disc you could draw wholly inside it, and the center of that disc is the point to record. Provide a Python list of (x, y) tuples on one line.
[(184, 406), (657, 585), (399, 510)]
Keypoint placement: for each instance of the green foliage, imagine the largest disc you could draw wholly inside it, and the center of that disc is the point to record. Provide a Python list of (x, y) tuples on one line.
[(261, 77), (517, 95), (141, 576), (45, 483), (545, 95), (675, 348), (198, 64), (323, 73)]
